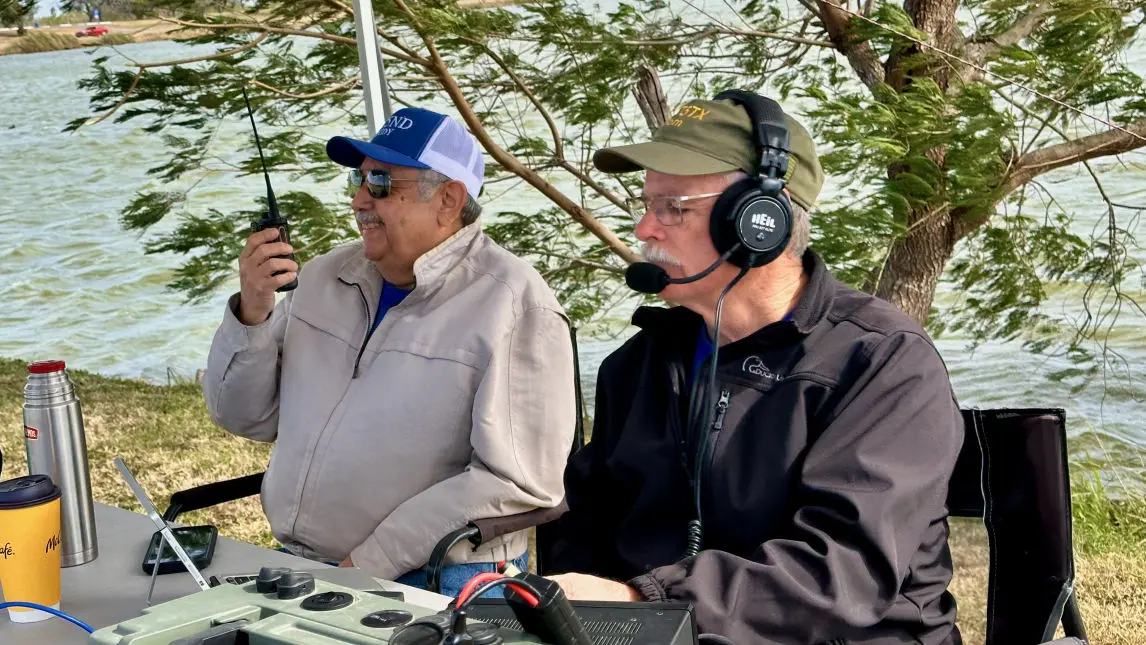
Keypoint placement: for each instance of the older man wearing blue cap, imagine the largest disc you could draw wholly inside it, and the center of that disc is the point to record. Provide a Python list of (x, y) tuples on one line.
[(415, 380)]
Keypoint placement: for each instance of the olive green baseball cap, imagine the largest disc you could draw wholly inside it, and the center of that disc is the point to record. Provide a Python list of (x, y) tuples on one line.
[(706, 137)]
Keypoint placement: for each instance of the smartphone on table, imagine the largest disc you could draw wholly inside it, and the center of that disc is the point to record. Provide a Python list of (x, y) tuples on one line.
[(197, 541)]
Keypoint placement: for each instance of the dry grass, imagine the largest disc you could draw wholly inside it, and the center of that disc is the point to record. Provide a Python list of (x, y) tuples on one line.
[(166, 437), (41, 41), (1111, 588)]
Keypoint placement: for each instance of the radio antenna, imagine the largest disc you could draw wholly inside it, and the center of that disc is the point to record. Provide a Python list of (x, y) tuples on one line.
[(271, 205)]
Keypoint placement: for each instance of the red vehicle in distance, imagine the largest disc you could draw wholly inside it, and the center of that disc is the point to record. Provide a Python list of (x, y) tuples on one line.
[(92, 30)]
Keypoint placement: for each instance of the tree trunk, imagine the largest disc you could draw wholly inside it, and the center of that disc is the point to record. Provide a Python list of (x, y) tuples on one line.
[(913, 267)]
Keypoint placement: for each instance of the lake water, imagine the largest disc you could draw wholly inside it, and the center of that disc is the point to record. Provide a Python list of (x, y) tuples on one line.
[(75, 286)]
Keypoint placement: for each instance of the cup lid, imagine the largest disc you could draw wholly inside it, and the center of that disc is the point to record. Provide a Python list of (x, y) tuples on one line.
[(29, 490), (46, 367)]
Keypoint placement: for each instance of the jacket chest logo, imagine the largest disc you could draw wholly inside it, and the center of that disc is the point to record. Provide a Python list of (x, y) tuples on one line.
[(756, 367)]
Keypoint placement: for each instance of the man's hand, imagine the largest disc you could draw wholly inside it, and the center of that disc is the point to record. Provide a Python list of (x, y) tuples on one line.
[(578, 586), (346, 563), (257, 285)]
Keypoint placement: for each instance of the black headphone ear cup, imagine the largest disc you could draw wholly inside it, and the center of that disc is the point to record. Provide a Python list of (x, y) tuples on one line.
[(723, 226), (766, 239)]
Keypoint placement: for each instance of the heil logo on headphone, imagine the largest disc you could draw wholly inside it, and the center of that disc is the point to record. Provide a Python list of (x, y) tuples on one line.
[(764, 221)]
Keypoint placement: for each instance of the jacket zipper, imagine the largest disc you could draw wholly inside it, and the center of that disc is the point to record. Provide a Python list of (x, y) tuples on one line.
[(713, 436), (369, 331)]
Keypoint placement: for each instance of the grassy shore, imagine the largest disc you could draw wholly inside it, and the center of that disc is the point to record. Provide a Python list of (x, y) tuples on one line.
[(166, 437), (56, 38), (51, 36)]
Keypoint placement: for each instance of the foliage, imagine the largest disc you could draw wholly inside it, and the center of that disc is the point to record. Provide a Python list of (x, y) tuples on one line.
[(14, 13), (923, 151)]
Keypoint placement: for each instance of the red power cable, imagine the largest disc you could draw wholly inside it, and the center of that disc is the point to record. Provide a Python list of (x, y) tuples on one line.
[(483, 578)]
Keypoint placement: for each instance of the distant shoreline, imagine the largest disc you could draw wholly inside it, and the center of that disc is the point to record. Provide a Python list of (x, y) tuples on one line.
[(140, 31), (64, 38)]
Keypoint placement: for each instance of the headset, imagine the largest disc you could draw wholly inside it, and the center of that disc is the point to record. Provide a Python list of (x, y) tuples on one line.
[(753, 217)]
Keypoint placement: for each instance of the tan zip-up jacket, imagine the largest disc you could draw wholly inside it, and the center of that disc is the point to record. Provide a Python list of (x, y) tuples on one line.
[(460, 406)]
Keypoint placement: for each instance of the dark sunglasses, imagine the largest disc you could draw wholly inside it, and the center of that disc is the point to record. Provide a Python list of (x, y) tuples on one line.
[(378, 181)]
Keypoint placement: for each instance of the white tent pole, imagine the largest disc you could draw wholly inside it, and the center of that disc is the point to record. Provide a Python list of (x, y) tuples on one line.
[(374, 88)]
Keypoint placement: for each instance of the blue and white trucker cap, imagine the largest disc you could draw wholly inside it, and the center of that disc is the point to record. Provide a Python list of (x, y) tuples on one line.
[(418, 138)]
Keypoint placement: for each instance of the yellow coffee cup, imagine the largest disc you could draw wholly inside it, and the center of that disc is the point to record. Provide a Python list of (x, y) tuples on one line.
[(30, 545)]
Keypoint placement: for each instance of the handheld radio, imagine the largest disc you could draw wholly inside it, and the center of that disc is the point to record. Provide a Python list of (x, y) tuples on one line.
[(271, 218)]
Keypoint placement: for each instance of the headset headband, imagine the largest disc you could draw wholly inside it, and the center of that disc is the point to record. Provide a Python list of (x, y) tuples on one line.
[(769, 127)]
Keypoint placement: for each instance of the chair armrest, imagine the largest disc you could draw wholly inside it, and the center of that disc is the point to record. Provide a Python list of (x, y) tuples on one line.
[(207, 495), (495, 527), (483, 530)]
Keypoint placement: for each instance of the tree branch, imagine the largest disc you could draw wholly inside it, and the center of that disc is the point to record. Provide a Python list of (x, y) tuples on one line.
[(134, 82), (142, 66), (863, 60), (558, 146), (687, 39), (330, 89), (198, 59), (507, 160), (985, 44), (1044, 160), (651, 97), (335, 4), (347, 9), (981, 47), (1103, 144), (254, 26)]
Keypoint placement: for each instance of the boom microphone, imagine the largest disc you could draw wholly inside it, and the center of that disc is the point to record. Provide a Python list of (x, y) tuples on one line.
[(647, 277)]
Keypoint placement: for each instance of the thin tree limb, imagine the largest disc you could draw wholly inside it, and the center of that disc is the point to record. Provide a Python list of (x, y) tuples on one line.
[(198, 59), (134, 82), (507, 160), (558, 146), (651, 97), (330, 89), (335, 4), (348, 10), (863, 60), (982, 46), (1044, 160), (143, 66), (254, 26), (711, 30)]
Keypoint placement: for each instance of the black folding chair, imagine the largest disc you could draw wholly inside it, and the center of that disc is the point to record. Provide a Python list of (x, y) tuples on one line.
[(1013, 473)]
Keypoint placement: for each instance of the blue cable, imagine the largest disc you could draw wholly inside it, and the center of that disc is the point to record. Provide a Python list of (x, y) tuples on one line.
[(55, 612)]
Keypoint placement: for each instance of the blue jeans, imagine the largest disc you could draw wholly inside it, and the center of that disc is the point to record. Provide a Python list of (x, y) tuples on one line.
[(455, 576)]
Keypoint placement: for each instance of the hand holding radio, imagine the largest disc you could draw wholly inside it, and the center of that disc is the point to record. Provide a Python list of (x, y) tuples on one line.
[(265, 266), (263, 270)]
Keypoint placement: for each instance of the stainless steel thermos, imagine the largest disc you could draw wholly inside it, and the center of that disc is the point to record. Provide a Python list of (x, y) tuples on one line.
[(56, 446)]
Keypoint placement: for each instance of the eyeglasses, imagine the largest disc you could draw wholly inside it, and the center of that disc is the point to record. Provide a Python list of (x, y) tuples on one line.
[(378, 181), (669, 210)]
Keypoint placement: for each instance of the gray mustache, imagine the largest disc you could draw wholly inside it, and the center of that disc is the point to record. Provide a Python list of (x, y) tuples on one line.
[(367, 217), (658, 255)]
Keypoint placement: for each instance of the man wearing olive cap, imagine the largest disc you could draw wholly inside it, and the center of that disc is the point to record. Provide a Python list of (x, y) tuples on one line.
[(813, 471)]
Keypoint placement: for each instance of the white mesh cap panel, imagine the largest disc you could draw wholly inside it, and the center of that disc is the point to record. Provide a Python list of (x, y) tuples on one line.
[(455, 153)]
